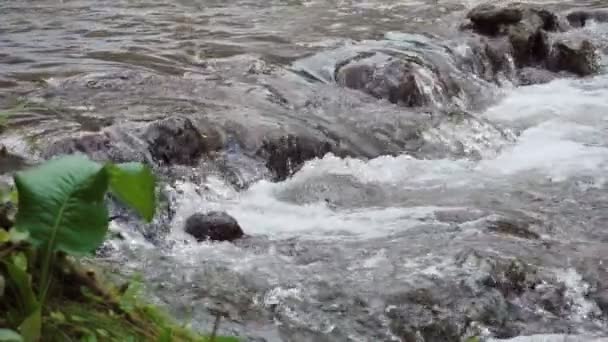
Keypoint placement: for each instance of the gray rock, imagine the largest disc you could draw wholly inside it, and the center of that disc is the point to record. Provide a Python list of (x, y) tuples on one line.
[(214, 226), (490, 19), (531, 75), (581, 18), (518, 229), (175, 141), (582, 60), (528, 47), (285, 154), (394, 81), (493, 20)]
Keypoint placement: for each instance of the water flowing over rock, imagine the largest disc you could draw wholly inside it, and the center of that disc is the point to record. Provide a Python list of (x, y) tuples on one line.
[(214, 226)]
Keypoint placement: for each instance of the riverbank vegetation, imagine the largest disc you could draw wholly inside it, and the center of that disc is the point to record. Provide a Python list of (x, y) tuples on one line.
[(55, 215)]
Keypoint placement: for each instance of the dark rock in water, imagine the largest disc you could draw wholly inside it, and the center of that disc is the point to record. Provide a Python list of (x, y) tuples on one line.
[(519, 229), (215, 226), (10, 162), (581, 18), (512, 279), (175, 141), (583, 60), (493, 20), (394, 81), (601, 299), (111, 144), (285, 154), (529, 48), (490, 19)]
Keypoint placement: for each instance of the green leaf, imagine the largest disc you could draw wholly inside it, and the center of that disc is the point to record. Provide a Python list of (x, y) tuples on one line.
[(20, 260), (13, 197), (58, 316), (166, 335), (4, 236), (128, 301), (222, 339), (61, 204), (17, 236), (89, 338), (7, 335), (23, 285), (32, 326), (133, 184), (2, 285)]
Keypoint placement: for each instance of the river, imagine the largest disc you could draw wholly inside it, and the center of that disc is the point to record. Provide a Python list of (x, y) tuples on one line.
[(472, 202)]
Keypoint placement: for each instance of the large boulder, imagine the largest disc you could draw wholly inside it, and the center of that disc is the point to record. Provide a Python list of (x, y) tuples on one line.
[(214, 226), (582, 59), (490, 19), (175, 141)]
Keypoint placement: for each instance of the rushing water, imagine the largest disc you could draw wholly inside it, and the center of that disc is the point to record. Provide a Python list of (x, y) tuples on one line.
[(412, 226)]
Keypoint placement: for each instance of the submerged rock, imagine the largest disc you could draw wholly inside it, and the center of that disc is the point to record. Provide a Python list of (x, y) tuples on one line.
[(518, 229), (214, 226)]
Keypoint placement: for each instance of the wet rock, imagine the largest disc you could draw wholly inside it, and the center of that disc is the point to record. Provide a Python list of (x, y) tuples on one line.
[(285, 154), (10, 162), (601, 299), (493, 19), (583, 60), (518, 229), (531, 75), (446, 312), (215, 226), (512, 278), (581, 18), (394, 81), (175, 141), (529, 48), (490, 19), (108, 145)]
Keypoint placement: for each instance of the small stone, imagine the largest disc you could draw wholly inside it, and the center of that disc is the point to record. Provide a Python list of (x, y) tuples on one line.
[(214, 226)]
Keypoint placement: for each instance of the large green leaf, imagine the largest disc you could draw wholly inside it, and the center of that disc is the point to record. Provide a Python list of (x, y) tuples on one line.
[(133, 184), (7, 335), (31, 327), (61, 204)]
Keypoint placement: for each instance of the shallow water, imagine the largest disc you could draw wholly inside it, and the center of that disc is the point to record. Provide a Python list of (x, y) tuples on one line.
[(332, 251)]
